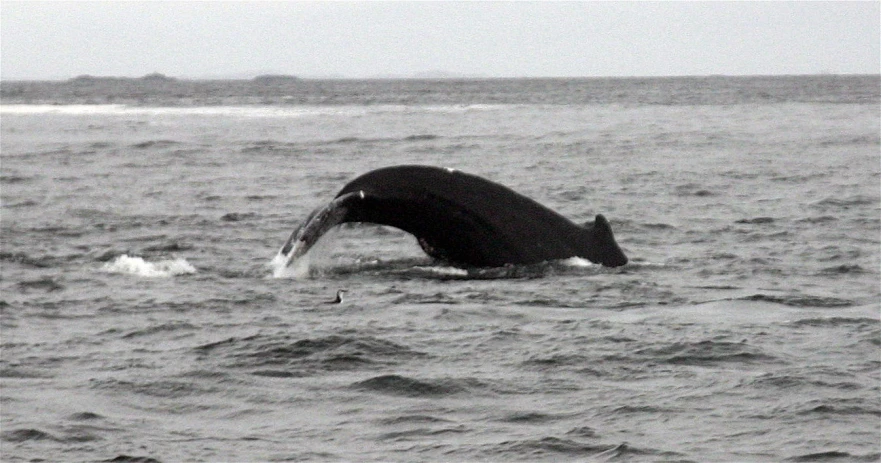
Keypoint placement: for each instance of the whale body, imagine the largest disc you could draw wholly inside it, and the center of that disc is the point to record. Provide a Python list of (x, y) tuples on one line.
[(460, 218)]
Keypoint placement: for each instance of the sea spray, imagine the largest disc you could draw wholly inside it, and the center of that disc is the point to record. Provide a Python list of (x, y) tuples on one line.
[(139, 267), (320, 257), (298, 269)]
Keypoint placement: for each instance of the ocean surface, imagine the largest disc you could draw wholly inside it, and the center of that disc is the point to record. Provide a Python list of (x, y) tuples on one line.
[(142, 320)]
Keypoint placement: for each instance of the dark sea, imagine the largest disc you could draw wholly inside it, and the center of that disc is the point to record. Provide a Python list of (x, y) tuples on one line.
[(142, 320)]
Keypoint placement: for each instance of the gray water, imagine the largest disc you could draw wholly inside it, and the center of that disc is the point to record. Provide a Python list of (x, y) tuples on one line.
[(141, 320)]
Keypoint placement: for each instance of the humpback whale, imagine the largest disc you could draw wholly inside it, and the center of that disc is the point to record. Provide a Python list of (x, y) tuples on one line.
[(459, 218)]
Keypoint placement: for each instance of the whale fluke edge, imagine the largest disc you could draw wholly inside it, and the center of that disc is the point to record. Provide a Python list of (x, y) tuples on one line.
[(459, 218)]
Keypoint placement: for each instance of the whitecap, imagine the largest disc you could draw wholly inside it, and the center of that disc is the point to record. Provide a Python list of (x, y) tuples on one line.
[(298, 269), (139, 267), (444, 271), (576, 262)]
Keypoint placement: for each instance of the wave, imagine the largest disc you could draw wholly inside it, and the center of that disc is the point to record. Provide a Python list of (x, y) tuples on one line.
[(130, 459), (847, 202), (158, 329), (18, 436), (839, 406), (296, 358), (800, 300), (555, 447), (166, 388), (834, 455), (36, 261), (45, 284), (26, 434), (243, 111), (419, 268), (139, 267), (706, 353), (409, 387)]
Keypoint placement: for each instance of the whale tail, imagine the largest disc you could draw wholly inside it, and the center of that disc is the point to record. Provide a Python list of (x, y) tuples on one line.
[(605, 249)]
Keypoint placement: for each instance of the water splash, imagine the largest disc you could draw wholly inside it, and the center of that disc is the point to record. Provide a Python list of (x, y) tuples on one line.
[(578, 262), (137, 266), (298, 269)]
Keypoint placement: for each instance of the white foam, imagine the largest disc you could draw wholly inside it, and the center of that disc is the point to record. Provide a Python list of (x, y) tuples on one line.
[(139, 267), (298, 269), (577, 262), (444, 271)]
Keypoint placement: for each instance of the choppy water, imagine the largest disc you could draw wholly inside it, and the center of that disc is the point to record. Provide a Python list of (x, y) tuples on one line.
[(140, 321)]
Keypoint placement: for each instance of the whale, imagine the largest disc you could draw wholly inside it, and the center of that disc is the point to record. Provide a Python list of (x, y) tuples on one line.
[(459, 218)]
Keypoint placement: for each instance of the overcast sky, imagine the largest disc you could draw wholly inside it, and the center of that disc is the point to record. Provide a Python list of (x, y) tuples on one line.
[(486, 39)]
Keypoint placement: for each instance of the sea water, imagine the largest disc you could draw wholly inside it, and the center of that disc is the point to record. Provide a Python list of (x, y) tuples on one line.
[(142, 319)]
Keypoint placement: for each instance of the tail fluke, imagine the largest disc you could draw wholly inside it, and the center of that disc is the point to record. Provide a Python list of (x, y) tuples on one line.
[(316, 225), (606, 248)]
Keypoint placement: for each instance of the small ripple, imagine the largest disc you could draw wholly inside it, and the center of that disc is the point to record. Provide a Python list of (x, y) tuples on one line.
[(411, 419), (154, 144), (45, 284), (85, 416), (13, 179), (847, 202), (555, 447), (795, 381), (421, 137), (162, 328), (843, 269), (834, 455), (238, 216), (582, 432), (409, 387), (532, 418), (168, 247), (130, 459), (693, 189), (26, 259), (26, 434), (857, 322), (556, 361), (165, 389), (287, 358), (839, 406), (706, 353), (800, 300), (818, 219), (411, 434), (547, 446), (756, 221)]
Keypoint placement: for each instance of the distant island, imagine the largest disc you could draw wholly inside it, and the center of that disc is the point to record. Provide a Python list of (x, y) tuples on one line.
[(158, 78), (153, 77), (157, 89), (275, 79)]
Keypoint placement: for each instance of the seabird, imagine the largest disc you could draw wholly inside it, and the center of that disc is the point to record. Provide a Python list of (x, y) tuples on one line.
[(339, 297)]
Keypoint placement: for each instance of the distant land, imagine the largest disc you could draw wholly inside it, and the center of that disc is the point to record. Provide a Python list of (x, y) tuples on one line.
[(262, 77), (157, 89), (160, 78)]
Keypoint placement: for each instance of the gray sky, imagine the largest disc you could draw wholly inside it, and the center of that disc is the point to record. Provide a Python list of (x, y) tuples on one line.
[(488, 39)]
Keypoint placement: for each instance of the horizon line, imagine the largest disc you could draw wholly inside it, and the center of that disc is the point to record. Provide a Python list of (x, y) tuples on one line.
[(417, 76)]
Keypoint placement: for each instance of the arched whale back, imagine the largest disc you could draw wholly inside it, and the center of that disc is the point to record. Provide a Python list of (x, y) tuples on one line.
[(459, 217)]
